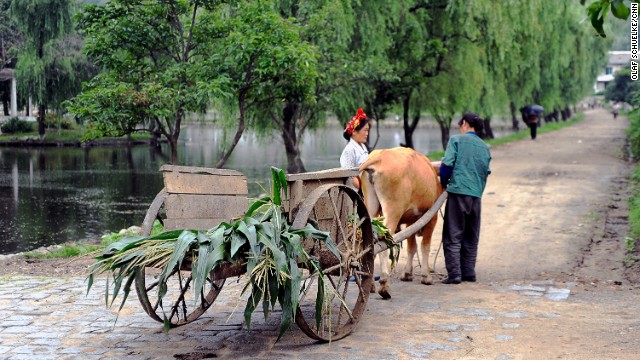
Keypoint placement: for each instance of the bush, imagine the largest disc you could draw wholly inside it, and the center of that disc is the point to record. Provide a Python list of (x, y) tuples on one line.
[(52, 121), (15, 125), (634, 133)]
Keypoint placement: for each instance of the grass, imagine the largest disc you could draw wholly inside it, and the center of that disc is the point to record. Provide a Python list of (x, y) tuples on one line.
[(634, 201), (69, 135), (80, 249), (634, 216)]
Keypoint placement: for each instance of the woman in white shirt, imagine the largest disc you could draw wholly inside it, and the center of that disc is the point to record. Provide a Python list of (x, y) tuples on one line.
[(355, 153)]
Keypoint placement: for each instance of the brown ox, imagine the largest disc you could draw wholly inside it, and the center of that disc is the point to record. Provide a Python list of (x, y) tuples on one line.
[(402, 185)]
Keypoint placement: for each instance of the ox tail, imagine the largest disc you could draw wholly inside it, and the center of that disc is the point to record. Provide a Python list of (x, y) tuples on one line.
[(371, 200)]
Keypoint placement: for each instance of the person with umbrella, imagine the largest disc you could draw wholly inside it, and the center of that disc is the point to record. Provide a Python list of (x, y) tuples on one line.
[(531, 114)]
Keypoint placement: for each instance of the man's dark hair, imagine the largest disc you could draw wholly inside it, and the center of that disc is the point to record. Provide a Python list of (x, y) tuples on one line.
[(474, 120)]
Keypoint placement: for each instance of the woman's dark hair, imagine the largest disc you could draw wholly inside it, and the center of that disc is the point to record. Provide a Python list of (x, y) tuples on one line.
[(362, 123), (474, 120)]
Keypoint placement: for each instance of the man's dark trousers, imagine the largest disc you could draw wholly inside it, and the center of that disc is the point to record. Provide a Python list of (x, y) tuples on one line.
[(460, 235)]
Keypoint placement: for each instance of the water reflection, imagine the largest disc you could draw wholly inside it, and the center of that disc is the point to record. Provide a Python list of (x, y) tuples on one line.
[(54, 195)]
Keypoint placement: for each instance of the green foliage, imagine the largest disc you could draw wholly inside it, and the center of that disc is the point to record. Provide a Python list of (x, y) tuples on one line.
[(54, 121), (50, 66), (65, 251), (634, 212), (263, 239), (622, 88), (15, 125), (597, 12), (634, 133)]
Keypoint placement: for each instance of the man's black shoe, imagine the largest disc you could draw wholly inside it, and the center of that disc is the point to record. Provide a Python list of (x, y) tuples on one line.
[(451, 281), (469, 278)]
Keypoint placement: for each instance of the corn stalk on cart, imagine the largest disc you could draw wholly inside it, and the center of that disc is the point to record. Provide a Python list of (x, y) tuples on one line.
[(200, 198)]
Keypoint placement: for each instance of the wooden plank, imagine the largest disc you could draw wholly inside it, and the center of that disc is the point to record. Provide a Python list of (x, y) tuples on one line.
[(195, 224), (188, 206), (189, 183), (199, 170), (323, 174)]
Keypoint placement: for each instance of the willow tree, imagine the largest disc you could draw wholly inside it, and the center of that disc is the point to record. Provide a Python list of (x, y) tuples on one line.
[(43, 24), (337, 34), (10, 42)]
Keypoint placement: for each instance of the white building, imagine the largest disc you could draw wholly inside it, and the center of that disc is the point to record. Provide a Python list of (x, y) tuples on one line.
[(618, 60)]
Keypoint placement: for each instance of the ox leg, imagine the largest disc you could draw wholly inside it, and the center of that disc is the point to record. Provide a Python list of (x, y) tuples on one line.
[(385, 279), (412, 249), (425, 249)]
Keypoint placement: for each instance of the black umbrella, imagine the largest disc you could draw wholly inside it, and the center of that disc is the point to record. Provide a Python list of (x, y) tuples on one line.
[(535, 109)]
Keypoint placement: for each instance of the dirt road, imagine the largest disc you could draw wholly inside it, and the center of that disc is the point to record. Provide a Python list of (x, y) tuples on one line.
[(554, 214), (551, 281)]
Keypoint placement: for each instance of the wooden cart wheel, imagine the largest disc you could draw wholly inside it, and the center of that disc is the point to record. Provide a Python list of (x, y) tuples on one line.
[(347, 280), (179, 305)]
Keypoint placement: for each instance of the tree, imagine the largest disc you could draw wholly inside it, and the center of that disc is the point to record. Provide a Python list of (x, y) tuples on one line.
[(151, 53), (43, 24), (271, 74), (165, 59)]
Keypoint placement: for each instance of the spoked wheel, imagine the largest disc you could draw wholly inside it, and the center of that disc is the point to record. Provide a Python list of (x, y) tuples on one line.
[(180, 305), (346, 281)]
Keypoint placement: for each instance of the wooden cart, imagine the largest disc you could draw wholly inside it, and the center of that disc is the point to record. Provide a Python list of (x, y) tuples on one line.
[(200, 198)]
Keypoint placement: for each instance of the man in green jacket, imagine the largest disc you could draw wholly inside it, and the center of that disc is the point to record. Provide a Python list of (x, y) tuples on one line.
[(463, 172)]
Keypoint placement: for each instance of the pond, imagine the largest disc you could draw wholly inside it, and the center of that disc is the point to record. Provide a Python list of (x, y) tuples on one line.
[(53, 195)]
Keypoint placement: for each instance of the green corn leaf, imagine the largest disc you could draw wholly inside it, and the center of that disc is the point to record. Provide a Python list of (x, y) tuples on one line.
[(248, 229), (278, 255), (287, 311), (296, 280), (117, 282), (126, 290), (122, 244), (166, 235), (90, 280), (257, 205), (252, 302), (208, 258), (276, 186), (183, 244), (274, 288), (237, 241)]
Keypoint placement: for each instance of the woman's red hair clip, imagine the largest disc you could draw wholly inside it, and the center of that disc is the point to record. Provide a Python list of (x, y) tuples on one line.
[(355, 121)]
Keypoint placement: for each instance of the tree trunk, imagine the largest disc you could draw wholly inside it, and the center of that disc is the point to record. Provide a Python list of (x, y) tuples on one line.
[(566, 113), (290, 139), (239, 131), (41, 115), (173, 144), (515, 125), (444, 134), (408, 128), (488, 132)]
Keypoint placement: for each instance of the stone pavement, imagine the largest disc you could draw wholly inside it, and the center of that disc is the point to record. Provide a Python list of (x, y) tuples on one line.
[(53, 318)]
